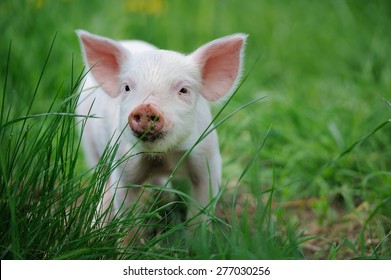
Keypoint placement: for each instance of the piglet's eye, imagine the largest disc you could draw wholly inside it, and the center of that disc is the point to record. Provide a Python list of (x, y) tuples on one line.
[(184, 90), (127, 88)]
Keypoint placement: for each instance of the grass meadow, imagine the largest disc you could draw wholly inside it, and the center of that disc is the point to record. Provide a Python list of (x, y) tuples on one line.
[(305, 140)]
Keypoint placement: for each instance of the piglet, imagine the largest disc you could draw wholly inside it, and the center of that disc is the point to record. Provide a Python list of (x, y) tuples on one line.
[(155, 103)]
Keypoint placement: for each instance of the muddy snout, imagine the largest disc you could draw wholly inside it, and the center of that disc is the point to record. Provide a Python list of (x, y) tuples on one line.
[(146, 122)]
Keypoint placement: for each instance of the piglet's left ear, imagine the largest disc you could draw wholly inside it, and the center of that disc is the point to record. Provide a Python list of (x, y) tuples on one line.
[(220, 62), (104, 58)]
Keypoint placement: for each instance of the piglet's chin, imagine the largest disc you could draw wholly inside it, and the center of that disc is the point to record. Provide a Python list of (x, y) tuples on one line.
[(150, 137)]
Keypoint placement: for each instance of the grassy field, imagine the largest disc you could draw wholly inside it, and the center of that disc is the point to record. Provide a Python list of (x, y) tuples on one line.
[(307, 169)]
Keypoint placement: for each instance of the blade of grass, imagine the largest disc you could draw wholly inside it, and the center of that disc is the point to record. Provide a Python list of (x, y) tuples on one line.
[(388, 103), (5, 82), (256, 154), (18, 142), (363, 139)]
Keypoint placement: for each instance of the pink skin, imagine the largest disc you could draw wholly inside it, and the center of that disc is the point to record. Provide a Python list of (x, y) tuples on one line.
[(161, 98)]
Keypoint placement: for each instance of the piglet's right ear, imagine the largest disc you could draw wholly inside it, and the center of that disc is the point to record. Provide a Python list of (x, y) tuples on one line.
[(103, 57)]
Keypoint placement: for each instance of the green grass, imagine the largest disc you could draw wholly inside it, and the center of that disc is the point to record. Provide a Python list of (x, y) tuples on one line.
[(307, 170)]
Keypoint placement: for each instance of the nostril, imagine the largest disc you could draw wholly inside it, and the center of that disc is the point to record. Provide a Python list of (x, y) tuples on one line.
[(137, 118), (153, 118)]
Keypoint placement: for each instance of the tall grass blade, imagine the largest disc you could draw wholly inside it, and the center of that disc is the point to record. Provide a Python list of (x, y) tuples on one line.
[(256, 154), (360, 141)]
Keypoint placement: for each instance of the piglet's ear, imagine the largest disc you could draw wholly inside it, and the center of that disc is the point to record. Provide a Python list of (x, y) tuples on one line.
[(104, 57), (220, 62)]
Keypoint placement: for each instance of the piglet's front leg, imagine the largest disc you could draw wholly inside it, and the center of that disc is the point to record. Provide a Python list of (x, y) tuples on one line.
[(204, 169)]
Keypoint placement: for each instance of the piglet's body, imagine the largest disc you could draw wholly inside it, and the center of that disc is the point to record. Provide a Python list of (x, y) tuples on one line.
[(156, 103)]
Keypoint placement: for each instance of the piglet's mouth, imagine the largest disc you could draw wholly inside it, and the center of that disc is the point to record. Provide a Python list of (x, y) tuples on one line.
[(149, 137)]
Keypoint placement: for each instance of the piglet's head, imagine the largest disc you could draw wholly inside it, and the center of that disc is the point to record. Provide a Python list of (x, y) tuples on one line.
[(158, 91)]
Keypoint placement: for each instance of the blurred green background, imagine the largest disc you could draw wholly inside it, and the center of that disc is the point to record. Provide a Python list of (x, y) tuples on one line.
[(325, 67)]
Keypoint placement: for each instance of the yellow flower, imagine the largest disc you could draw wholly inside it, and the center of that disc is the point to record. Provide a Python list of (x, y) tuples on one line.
[(144, 6), (39, 4)]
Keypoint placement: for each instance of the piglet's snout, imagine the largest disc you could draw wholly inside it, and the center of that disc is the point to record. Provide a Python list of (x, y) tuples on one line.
[(146, 122)]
